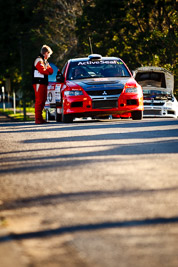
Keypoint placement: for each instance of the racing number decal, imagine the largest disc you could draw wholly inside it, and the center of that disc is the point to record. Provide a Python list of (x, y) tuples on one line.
[(50, 97)]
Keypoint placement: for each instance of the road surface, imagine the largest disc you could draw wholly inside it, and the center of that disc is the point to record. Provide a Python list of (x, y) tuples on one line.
[(89, 194)]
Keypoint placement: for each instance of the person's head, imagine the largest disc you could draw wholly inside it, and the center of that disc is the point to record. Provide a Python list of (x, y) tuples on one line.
[(78, 71), (117, 71), (46, 51)]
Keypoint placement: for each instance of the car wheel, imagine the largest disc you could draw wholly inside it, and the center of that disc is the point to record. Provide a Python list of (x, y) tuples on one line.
[(137, 115), (49, 116), (66, 118), (58, 116)]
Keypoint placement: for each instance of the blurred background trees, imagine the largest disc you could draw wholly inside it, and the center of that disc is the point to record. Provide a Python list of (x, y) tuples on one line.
[(140, 32), (24, 27)]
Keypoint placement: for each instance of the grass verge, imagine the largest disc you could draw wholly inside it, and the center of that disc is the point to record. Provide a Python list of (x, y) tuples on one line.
[(19, 116)]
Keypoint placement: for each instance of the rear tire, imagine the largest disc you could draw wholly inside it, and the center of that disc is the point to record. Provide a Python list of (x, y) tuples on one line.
[(49, 116), (137, 115), (58, 116)]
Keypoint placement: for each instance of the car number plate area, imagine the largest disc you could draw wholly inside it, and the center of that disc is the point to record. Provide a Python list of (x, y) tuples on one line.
[(105, 104)]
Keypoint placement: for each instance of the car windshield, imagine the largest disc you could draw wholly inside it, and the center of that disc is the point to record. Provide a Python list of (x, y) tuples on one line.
[(97, 69)]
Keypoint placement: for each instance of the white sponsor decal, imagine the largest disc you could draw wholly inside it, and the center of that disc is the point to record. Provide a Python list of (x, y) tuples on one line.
[(101, 79), (58, 87), (57, 96), (98, 62), (37, 74)]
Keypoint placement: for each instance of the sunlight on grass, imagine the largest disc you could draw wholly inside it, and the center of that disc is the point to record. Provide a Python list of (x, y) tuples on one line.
[(30, 113)]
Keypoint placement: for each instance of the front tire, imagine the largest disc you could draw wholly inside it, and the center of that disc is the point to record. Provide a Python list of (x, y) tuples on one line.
[(66, 118), (137, 115)]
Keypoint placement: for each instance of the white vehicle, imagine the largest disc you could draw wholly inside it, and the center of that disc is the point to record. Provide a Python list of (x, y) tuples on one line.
[(158, 85), (53, 94)]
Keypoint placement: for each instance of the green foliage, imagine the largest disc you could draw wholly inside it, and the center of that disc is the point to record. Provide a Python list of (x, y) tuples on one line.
[(24, 27), (141, 32)]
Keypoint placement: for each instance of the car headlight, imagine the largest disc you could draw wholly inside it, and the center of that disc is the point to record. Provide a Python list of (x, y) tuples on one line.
[(132, 90), (169, 104), (73, 93)]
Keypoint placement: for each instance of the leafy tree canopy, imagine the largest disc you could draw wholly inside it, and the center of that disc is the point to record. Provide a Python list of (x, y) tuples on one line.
[(25, 26), (141, 32)]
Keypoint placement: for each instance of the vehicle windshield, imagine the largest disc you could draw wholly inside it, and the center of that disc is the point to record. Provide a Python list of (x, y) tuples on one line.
[(97, 69)]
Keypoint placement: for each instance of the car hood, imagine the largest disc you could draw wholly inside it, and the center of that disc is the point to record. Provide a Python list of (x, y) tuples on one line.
[(101, 83), (165, 84)]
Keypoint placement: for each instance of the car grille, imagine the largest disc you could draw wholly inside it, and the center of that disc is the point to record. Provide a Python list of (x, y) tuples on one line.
[(104, 92), (105, 104), (154, 104), (152, 112), (104, 97)]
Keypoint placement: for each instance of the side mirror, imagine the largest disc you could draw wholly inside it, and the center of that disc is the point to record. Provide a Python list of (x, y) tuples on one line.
[(59, 77)]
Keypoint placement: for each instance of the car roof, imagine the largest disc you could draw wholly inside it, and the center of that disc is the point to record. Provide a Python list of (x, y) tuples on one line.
[(93, 57)]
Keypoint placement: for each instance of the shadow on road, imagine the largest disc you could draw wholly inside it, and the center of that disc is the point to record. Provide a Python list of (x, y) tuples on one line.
[(88, 227), (109, 136), (78, 197), (53, 126), (19, 164)]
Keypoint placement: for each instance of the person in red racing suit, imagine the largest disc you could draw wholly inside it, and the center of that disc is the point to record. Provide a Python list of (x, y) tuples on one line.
[(41, 70)]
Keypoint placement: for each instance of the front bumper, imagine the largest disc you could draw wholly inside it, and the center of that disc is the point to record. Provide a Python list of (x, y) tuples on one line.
[(159, 112), (101, 106)]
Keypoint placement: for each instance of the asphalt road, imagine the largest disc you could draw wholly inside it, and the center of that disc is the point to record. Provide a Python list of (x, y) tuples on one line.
[(89, 194)]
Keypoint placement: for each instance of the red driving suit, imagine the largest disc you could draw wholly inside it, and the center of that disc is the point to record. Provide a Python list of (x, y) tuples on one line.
[(41, 70)]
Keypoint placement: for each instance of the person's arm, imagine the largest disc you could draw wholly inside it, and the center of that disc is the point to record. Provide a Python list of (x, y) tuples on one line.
[(42, 68)]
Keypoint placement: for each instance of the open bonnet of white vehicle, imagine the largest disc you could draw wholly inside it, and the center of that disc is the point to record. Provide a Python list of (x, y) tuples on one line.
[(146, 77)]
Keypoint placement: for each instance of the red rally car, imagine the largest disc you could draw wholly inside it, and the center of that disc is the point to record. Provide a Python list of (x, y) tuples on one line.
[(95, 86)]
